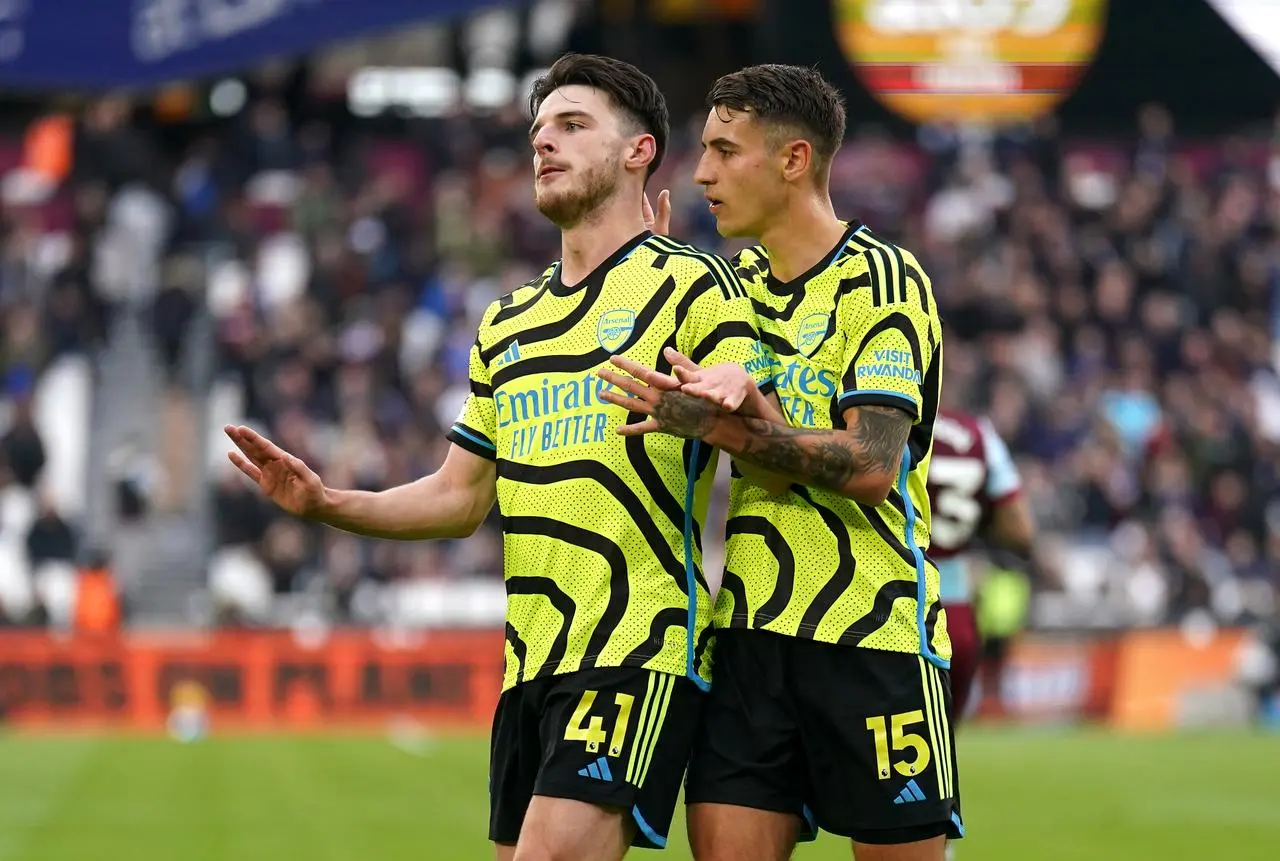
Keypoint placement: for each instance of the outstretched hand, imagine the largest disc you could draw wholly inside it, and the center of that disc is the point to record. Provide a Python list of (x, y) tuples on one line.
[(658, 222), (657, 396), (726, 385), (283, 478)]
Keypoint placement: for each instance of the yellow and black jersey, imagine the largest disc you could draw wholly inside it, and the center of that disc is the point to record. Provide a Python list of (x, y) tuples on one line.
[(602, 533), (859, 328)]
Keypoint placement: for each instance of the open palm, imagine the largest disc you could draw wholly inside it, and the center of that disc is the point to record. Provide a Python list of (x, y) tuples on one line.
[(283, 478)]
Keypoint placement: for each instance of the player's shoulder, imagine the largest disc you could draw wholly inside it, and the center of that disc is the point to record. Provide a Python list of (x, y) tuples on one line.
[(510, 304), (689, 265), (887, 277), (867, 250), (958, 433)]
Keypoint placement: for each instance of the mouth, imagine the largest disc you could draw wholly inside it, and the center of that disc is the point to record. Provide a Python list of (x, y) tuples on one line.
[(714, 204), (549, 170)]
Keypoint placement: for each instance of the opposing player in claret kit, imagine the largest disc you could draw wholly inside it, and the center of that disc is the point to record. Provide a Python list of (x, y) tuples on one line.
[(975, 491), (608, 611)]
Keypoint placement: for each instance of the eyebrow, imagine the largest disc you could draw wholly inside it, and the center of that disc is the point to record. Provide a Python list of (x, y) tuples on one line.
[(563, 115), (720, 142)]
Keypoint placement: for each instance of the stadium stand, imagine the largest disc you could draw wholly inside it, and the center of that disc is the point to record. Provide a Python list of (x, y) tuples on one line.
[(1108, 303)]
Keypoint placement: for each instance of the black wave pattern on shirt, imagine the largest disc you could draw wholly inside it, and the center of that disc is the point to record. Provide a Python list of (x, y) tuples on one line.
[(722, 331), (700, 648), (780, 345), (663, 620), (931, 622), (897, 320), (880, 612), (891, 539), (509, 309), (545, 332), (793, 293), (785, 583), (519, 648), (842, 578), (636, 446), (599, 473), (903, 324), (619, 582), (733, 583), (921, 438), (576, 363), (546, 587)]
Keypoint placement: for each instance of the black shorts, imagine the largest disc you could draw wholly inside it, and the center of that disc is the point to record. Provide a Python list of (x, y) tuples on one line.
[(613, 736), (855, 741)]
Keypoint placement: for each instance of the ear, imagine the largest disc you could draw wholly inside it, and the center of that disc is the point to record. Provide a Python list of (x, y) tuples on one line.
[(797, 157), (644, 149)]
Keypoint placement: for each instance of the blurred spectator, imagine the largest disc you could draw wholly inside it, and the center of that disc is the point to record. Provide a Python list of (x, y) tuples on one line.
[(22, 446), (1108, 303), (51, 539)]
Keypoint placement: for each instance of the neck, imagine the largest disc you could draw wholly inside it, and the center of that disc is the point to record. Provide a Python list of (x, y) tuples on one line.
[(587, 244), (804, 234)]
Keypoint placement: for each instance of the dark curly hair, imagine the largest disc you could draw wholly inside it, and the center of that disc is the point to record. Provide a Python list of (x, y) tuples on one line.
[(632, 92), (796, 99)]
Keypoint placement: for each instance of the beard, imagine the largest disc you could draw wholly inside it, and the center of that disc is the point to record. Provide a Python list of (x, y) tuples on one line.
[(571, 203)]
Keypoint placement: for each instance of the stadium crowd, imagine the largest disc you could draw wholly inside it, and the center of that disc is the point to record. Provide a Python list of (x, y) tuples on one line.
[(1109, 304)]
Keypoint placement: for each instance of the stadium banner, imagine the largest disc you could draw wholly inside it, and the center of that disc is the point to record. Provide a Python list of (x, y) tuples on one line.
[(96, 44), (252, 679), (1059, 678), (1165, 678), (976, 61)]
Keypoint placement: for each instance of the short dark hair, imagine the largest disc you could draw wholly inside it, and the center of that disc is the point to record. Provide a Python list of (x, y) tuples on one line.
[(632, 92), (794, 96)]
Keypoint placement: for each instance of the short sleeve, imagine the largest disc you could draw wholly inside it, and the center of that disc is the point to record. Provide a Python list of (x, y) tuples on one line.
[(476, 427), (721, 327), (887, 324)]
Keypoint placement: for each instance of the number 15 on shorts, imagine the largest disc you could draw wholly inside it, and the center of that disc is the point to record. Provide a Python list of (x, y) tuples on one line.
[(908, 742)]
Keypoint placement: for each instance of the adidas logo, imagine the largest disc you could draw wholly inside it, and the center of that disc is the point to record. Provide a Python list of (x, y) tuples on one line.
[(511, 354), (599, 770), (910, 793)]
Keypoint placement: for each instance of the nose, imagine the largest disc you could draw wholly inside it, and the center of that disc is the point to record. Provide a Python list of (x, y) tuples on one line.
[(702, 174), (544, 141)]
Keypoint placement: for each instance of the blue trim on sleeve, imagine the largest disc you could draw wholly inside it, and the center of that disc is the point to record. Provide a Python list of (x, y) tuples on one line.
[(689, 571), (475, 439), (878, 392), (926, 651)]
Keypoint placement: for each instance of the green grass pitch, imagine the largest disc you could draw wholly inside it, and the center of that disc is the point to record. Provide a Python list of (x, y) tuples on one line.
[(1045, 795)]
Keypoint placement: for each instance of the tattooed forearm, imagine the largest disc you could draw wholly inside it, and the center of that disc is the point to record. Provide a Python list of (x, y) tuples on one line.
[(828, 458), (684, 415), (881, 433)]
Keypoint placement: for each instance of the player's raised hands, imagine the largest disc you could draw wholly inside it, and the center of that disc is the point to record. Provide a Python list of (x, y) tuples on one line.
[(726, 385), (283, 478), (658, 222), (658, 396)]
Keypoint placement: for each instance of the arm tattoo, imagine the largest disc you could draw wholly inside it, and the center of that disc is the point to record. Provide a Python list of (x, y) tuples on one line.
[(882, 435), (684, 415), (830, 458)]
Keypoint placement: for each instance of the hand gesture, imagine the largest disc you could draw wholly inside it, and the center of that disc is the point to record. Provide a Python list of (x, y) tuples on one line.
[(726, 385), (283, 478), (659, 223), (657, 396)]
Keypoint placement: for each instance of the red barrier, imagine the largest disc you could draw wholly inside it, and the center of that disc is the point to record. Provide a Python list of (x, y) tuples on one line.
[(253, 679), (275, 680)]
